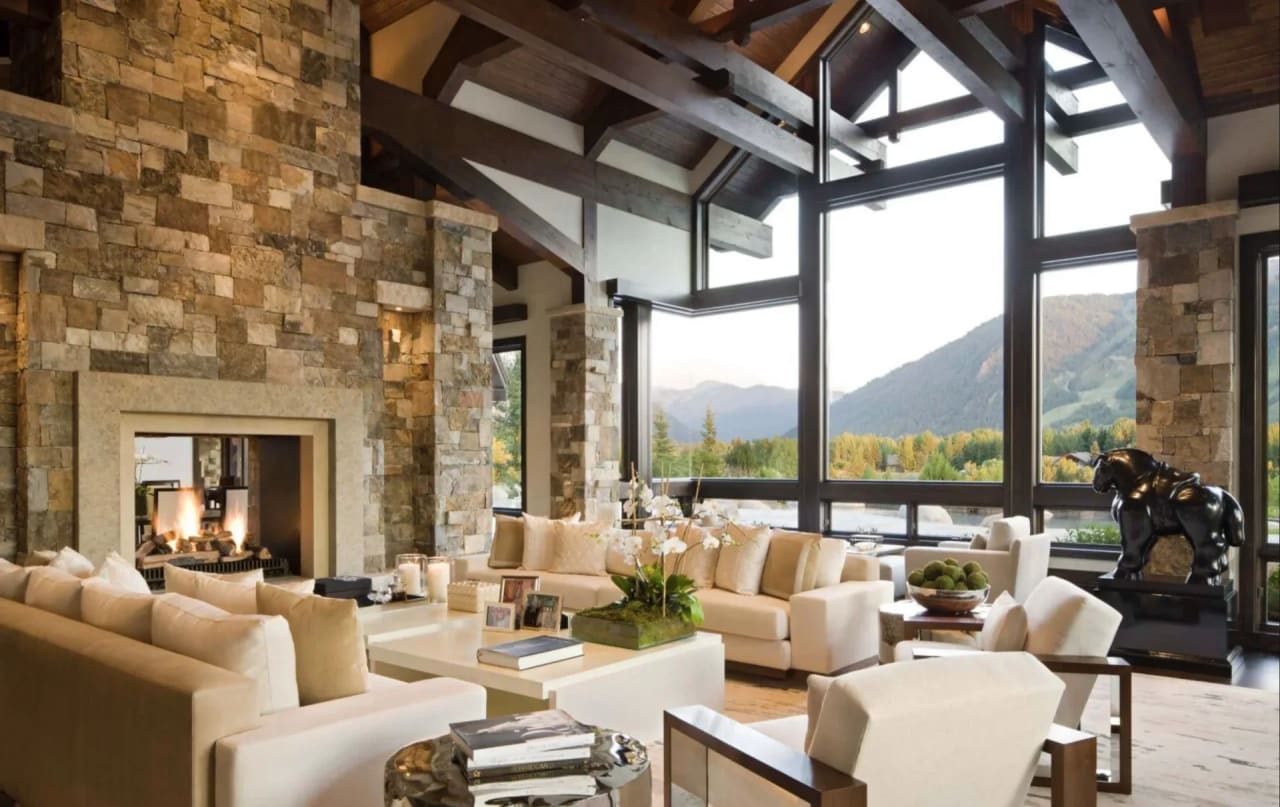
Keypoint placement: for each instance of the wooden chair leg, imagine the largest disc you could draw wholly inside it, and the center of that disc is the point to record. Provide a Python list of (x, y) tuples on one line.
[(1073, 759)]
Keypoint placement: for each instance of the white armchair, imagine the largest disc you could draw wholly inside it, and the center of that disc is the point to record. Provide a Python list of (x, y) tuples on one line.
[(1014, 559), (871, 737)]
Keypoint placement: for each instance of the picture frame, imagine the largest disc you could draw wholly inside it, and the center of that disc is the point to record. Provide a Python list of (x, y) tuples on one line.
[(500, 616), (540, 612), (514, 586)]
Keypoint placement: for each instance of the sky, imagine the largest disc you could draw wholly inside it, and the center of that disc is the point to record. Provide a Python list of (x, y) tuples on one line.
[(924, 271)]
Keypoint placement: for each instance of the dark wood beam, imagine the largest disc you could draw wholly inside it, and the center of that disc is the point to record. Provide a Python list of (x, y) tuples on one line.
[(1068, 42), (1138, 57), (745, 18), (921, 116), (615, 113), (725, 69), (937, 32), (512, 312), (505, 273), (561, 37), (1083, 75), (468, 47), (995, 32), (422, 125), (27, 12), (1098, 120)]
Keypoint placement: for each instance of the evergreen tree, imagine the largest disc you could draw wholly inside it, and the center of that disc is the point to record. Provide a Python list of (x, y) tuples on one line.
[(662, 449), (708, 459), (937, 468)]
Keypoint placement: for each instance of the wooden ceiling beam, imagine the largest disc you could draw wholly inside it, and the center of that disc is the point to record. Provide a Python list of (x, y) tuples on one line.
[(468, 47), (423, 127), (615, 113), (559, 36), (1138, 57), (937, 32), (726, 69), (505, 272), (995, 32), (745, 18), (1084, 75), (27, 12)]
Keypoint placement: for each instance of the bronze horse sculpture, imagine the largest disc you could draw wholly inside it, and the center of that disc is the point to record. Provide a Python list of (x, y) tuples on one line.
[(1152, 499)]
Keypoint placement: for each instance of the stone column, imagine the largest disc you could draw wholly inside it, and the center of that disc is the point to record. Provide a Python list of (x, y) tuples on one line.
[(454, 483), (585, 408), (1185, 357)]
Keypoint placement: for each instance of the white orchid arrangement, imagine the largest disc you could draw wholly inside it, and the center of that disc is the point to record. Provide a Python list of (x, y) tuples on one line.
[(666, 536)]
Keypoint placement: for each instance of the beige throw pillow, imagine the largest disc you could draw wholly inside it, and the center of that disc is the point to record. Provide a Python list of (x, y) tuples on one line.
[(13, 581), (741, 563), (539, 541), (790, 565), (830, 562), (72, 562), (326, 640), (1005, 628), (616, 560), (507, 551), (51, 589), (119, 572), (110, 607), (698, 563), (579, 548), (233, 593), (258, 647)]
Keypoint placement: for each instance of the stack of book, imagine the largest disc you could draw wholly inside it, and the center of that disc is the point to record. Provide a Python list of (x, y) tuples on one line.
[(533, 754)]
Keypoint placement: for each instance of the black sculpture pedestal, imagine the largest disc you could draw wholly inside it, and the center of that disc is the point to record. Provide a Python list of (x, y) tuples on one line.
[(1174, 626)]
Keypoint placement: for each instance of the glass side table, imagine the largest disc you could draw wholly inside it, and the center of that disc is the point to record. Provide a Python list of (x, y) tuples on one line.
[(426, 774)]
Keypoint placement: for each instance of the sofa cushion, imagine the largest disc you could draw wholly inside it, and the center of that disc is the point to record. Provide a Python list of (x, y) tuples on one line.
[(106, 605), (508, 543), (258, 647), (232, 593), (72, 562), (790, 564), (121, 573), (51, 589), (327, 643), (539, 541), (741, 563), (1004, 530), (13, 581), (759, 617), (579, 591), (830, 562), (698, 562), (1005, 627), (579, 548)]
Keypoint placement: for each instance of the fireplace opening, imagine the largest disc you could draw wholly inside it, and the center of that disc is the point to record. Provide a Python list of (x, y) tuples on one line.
[(217, 503)]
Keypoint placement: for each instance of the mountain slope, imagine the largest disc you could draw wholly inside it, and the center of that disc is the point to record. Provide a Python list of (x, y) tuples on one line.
[(743, 413)]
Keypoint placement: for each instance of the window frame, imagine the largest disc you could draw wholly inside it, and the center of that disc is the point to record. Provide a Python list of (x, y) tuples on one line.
[(513, 344)]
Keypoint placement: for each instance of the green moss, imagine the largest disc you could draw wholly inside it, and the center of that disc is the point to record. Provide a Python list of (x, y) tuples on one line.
[(632, 625), (951, 562), (916, 578), (971, 567), (943, 582), (934, 569), (977, 581)]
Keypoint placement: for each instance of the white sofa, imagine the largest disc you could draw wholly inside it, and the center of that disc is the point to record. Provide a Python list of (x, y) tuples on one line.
[(1014, 559), (106, 719), (823, 630)]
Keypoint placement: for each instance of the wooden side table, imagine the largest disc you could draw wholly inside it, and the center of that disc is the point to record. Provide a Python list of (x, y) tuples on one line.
[(913, 623)]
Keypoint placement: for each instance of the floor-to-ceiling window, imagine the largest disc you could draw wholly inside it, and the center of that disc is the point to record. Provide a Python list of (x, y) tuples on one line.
[(508, 424)]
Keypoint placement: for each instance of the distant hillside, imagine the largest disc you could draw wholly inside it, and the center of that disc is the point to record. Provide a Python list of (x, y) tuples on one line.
[(1087, 347)]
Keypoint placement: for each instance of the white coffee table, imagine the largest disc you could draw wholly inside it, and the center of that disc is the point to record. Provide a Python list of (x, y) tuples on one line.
[(625, 690)]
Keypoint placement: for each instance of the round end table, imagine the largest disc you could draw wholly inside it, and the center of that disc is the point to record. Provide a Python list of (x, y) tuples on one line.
[(428, 774)]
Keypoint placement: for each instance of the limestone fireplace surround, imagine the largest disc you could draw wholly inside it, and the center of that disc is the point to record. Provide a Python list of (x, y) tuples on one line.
[(112, 408)]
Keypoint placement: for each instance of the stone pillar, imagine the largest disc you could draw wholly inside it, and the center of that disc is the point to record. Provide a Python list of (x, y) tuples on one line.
[(1185, 357), (454, 484), (585, 408)]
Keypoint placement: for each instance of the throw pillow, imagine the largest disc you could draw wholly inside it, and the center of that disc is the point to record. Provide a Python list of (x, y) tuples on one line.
[(579, 548), (539, 541), (790, 564), (72, 562), (831, 555), (307, 586), (258, 647), (1005, 628), (507, 551), (120, 572), (616, 560), (51, 589), (1004, 530), (698, 563), (326, 641), (233, 593), (13, 581), (741, 563), (105, 605)]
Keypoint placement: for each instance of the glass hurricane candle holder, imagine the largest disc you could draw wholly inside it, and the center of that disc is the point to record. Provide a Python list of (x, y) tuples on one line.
[(438, 578), (411, 568)]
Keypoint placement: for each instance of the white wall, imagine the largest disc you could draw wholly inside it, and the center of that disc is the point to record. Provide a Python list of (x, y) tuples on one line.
[(542, 288), (653, 255), (1239, 144)]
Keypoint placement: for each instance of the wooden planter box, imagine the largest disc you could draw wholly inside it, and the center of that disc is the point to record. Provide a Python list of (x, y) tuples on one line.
[(634, 635)]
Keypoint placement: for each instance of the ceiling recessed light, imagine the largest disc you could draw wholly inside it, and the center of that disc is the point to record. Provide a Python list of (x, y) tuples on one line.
[(866, 26)]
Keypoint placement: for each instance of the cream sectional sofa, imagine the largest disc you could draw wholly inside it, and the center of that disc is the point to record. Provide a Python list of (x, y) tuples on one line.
[(823, 630), (94, 717)]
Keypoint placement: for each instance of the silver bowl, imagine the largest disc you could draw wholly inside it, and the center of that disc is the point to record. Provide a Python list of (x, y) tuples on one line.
[(948, 602)]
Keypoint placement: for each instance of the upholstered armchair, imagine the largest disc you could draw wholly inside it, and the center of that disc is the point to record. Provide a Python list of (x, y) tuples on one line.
[(1070, 631), (1014, 559), (964, 730)]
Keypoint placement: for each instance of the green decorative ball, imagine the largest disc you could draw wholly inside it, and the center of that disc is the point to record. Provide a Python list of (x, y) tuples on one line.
[(944, 583), (951, 562), (960, 586), (977, 581), (934, 569), (972, 566), (916, 578)]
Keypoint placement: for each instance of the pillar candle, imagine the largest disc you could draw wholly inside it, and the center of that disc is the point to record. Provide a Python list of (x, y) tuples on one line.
[(438, 581), (411, 579)]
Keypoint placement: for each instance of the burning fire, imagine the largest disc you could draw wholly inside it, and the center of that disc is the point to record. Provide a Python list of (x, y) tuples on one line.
[(235, 524), (190, 510)]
